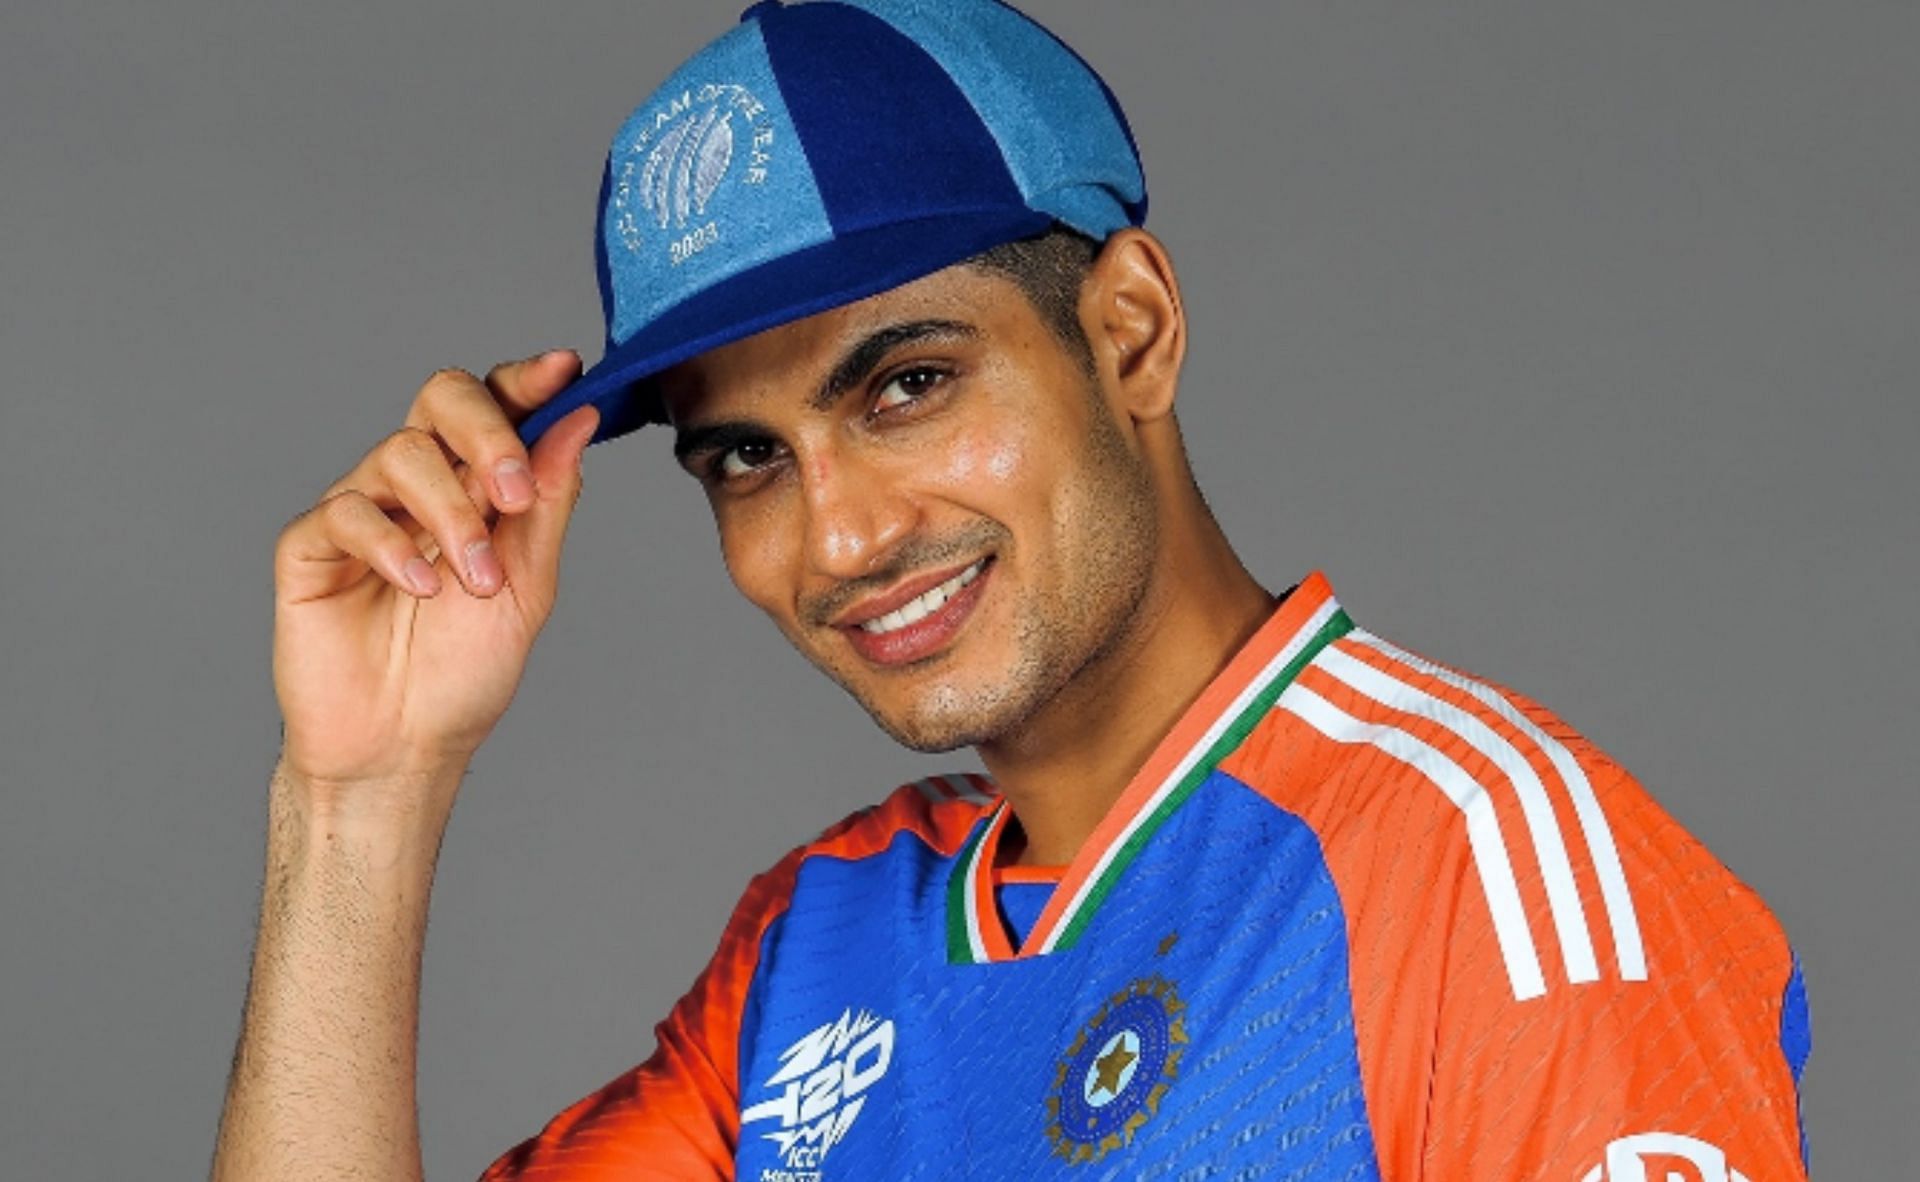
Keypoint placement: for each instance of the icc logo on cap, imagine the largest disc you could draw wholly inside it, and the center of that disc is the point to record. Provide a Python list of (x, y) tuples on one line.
[(677, 162)]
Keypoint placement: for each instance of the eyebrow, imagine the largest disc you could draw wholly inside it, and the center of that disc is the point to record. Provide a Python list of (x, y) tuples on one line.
[(852, 369), (862, 359)]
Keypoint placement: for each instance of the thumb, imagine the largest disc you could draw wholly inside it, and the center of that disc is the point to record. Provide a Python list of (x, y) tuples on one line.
[(529, 543)]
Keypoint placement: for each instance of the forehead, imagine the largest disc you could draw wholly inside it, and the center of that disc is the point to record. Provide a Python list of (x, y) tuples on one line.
[(801, 353)]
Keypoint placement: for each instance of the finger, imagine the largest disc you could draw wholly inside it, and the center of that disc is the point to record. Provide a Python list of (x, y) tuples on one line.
[(524, 386), (421, 537), (332, 544), (530, 544), (413, 466), (466, 415), (475, 486)]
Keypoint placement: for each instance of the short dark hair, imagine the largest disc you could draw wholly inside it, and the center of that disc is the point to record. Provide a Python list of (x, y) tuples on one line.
[(1049, 269)]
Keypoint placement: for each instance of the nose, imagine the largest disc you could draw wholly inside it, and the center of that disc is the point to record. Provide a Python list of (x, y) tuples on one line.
[(856, 514)]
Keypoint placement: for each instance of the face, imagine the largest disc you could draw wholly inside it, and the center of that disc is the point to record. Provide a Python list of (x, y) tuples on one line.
[(930, 496)]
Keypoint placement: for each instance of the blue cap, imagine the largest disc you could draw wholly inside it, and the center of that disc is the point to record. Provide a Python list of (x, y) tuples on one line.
[(822, 152)]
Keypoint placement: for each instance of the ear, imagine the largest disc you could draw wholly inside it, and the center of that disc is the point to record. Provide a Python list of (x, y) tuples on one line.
[(1130, 305)]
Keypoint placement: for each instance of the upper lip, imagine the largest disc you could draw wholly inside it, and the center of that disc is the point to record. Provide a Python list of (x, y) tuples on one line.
[(897, 596)]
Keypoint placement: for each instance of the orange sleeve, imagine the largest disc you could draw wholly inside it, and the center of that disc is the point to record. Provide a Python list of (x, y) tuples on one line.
[(677, 1114), (1680, 1075), (1551, 979)]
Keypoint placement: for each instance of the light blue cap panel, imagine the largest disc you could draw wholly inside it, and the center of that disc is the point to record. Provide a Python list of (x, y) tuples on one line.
[(1061, 139), (706, 179)]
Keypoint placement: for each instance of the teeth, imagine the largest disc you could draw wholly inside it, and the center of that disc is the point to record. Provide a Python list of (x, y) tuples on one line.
[(917, 609)]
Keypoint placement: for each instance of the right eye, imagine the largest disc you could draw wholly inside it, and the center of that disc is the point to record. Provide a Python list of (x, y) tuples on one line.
[(743, 459)]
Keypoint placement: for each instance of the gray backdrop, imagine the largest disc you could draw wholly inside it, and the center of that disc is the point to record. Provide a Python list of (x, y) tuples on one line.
[(1577, 344)]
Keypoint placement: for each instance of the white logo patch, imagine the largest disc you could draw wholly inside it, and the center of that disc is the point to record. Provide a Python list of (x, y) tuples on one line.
[(1663, 1157), (675, 183), (680, 158), (823, 1080)]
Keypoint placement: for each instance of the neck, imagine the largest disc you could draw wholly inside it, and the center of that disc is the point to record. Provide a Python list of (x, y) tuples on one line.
[(1066, 767)]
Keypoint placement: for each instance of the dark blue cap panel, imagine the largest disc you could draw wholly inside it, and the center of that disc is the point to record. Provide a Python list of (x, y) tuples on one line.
[(899, 110), (1064, 139)]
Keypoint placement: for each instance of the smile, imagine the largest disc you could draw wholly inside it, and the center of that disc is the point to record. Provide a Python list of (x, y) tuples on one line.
[(920, 607), (920, 627)]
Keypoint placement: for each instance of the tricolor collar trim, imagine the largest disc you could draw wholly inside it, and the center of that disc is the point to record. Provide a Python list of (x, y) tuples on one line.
[(1226, 711)]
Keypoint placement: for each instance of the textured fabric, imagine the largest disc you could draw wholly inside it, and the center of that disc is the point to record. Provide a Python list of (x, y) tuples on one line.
[(1025, 88), (1359, 916), (1021, 904)]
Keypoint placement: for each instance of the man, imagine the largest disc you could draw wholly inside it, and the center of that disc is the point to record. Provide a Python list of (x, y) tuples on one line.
[(1249, 891)]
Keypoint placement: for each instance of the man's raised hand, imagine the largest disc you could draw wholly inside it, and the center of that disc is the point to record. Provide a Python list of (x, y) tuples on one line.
[(407, 598)]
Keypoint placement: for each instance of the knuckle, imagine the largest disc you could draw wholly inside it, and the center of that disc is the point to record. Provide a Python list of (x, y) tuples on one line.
[(410, 445), (342, 510), (446, 377), (441, 385), (457, 408)]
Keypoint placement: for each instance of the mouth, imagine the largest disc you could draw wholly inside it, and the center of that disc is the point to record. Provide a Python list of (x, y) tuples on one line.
[(896, 631)]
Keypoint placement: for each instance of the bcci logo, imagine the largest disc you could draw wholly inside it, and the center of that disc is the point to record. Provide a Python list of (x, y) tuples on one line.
[(1113, 1076), (677, 162), (1663, 1157), (822, 1081)]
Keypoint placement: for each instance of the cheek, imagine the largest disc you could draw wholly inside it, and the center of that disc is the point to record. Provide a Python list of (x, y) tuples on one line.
[(984, 461), (757, 555)]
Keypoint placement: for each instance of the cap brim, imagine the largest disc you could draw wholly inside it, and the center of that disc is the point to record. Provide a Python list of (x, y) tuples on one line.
[(846, 268)]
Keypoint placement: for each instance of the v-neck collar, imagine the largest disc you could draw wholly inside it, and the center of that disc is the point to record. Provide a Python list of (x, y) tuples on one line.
[(1306, 621)]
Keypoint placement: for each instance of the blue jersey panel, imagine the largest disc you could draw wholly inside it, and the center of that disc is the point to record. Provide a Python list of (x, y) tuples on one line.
[(1796, 1038), (1021, 904), (1202, 1023)]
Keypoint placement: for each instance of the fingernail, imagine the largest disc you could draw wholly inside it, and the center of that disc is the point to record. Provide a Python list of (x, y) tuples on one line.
[(483, 566), (514, 481), (419, 575), (554, 354)]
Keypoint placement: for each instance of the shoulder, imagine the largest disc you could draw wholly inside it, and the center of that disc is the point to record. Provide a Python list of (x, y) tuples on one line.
[(1365, 707), (1520, 908), (936, 813), (1366, 710), (1419, 777)]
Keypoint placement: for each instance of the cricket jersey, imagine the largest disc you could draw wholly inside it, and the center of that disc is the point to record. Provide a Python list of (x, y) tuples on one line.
[(1359, 916)]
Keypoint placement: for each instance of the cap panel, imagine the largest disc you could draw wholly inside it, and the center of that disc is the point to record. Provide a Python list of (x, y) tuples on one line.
[(1057, 127), (705, 180), (887, 133)]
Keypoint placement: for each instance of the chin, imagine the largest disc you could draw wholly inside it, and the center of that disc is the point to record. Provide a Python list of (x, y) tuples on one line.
[(932, 737), (947, 717), (982, 691)]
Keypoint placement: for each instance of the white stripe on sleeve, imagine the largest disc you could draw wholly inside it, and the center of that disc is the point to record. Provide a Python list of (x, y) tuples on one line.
[(1621, 918), (1563, 897), (1483, 827)]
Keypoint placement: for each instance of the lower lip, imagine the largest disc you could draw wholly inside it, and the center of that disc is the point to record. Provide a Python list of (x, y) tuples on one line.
[(925, 636)]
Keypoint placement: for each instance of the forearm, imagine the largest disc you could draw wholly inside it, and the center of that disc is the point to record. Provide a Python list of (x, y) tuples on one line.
[(323, 1078)]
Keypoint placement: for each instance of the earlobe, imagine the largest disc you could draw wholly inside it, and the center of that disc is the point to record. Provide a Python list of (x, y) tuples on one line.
[(1131, 302)]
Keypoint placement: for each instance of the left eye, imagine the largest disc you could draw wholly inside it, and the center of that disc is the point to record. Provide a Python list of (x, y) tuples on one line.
[(909, 386)]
